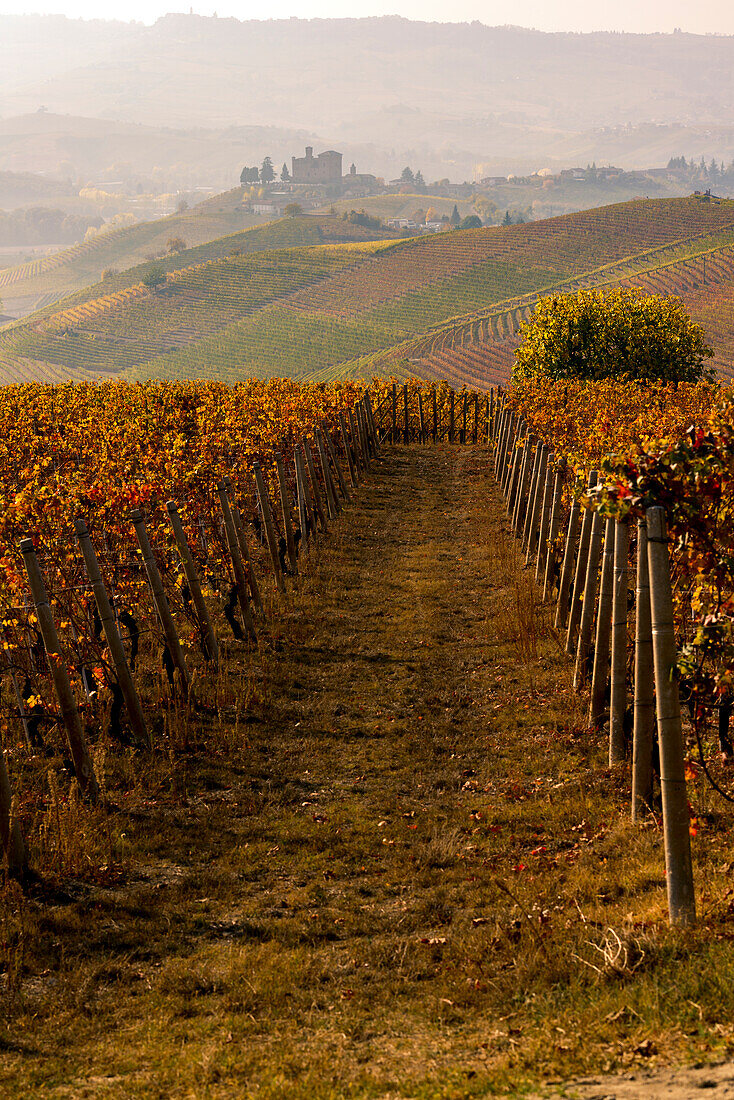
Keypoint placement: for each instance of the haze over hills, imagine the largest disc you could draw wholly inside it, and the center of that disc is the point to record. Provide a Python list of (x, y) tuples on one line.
[(448, 96)]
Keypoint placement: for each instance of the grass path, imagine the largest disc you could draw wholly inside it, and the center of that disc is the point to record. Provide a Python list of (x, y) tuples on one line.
[(386, 869)]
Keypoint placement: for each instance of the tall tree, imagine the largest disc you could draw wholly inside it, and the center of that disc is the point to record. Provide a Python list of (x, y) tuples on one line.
[(267, 172), (285, 174), (407, 176)]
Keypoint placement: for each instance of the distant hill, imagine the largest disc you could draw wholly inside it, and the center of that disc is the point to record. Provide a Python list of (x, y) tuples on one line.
[(320, 311), (211, 231), (448, 96)]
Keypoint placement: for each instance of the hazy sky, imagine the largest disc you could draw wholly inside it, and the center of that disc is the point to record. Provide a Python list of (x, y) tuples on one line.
[(703, 17)]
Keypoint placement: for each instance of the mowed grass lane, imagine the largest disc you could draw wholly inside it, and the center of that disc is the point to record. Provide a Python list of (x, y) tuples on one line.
[(382, 871)]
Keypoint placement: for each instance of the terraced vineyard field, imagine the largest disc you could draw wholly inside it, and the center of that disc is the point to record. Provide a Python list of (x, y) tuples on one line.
[(478, 350), (352, 309)]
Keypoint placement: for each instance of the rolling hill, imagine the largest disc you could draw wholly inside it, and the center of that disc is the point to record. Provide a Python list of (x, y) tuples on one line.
[(320, 310)]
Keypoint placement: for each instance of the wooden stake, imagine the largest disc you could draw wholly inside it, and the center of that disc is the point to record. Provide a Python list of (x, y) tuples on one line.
[(534, 510), (353, 476), (358, 456), (586, 621), (580, 575), (490, 415), (475, 430), (160, 600), (336, 464), (239, 526), (238, 570), (676, 822), (602, 645), (545, 511), (421, 419), (316, 493), (112, 636), (531, 452), (406, 433), (332, 500), (514, 477), (644, 702), (435, 416), (394, 432), (285, 508), (524, 532), (511, 436), (618, 702), (451, 416), (10, 834), (371, 426), (75, 733), (564, 582), (555, 522), (262, 496), (462, 437), (304, 511)]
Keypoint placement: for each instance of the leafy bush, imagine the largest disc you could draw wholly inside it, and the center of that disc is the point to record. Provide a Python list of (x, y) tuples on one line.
[(154, 277), (620, 333)]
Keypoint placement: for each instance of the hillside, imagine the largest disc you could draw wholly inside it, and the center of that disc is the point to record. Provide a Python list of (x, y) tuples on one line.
[(350, 309), (478, 350), (456, 95)]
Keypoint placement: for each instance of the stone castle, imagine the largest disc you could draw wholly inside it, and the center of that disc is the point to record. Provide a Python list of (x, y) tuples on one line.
[(325, 168)]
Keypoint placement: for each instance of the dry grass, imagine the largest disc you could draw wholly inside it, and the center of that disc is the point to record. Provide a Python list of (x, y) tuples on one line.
[(387, 861)]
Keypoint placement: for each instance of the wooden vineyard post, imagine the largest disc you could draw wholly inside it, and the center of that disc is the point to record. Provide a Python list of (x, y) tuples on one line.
[(362, 425), (644, 701), (462, 437), (406, 430), (160, 600), (514, 480), (332, 500), (10, 834), (618, 701), (262, 496), (304, 511), (353, 477), (490, 415), (394, 432), (600, 674), (676, 822), (239, 527), (586, 620), (318, 504), (421, 418), (452, 415), (564, 583), (545, 519), (580, 576), (499, 455), (534, 509), (435, 416), (358, 456), (509, 445), (192, 579), (371, 426), (285, 507), (238, 568), (475, 430), (112, 636), (530, 461), (524, 532), (555, 522), (83, 768), (336, 464)]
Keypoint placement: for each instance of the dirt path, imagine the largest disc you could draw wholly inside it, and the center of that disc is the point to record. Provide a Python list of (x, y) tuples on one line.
[(372, 887)]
